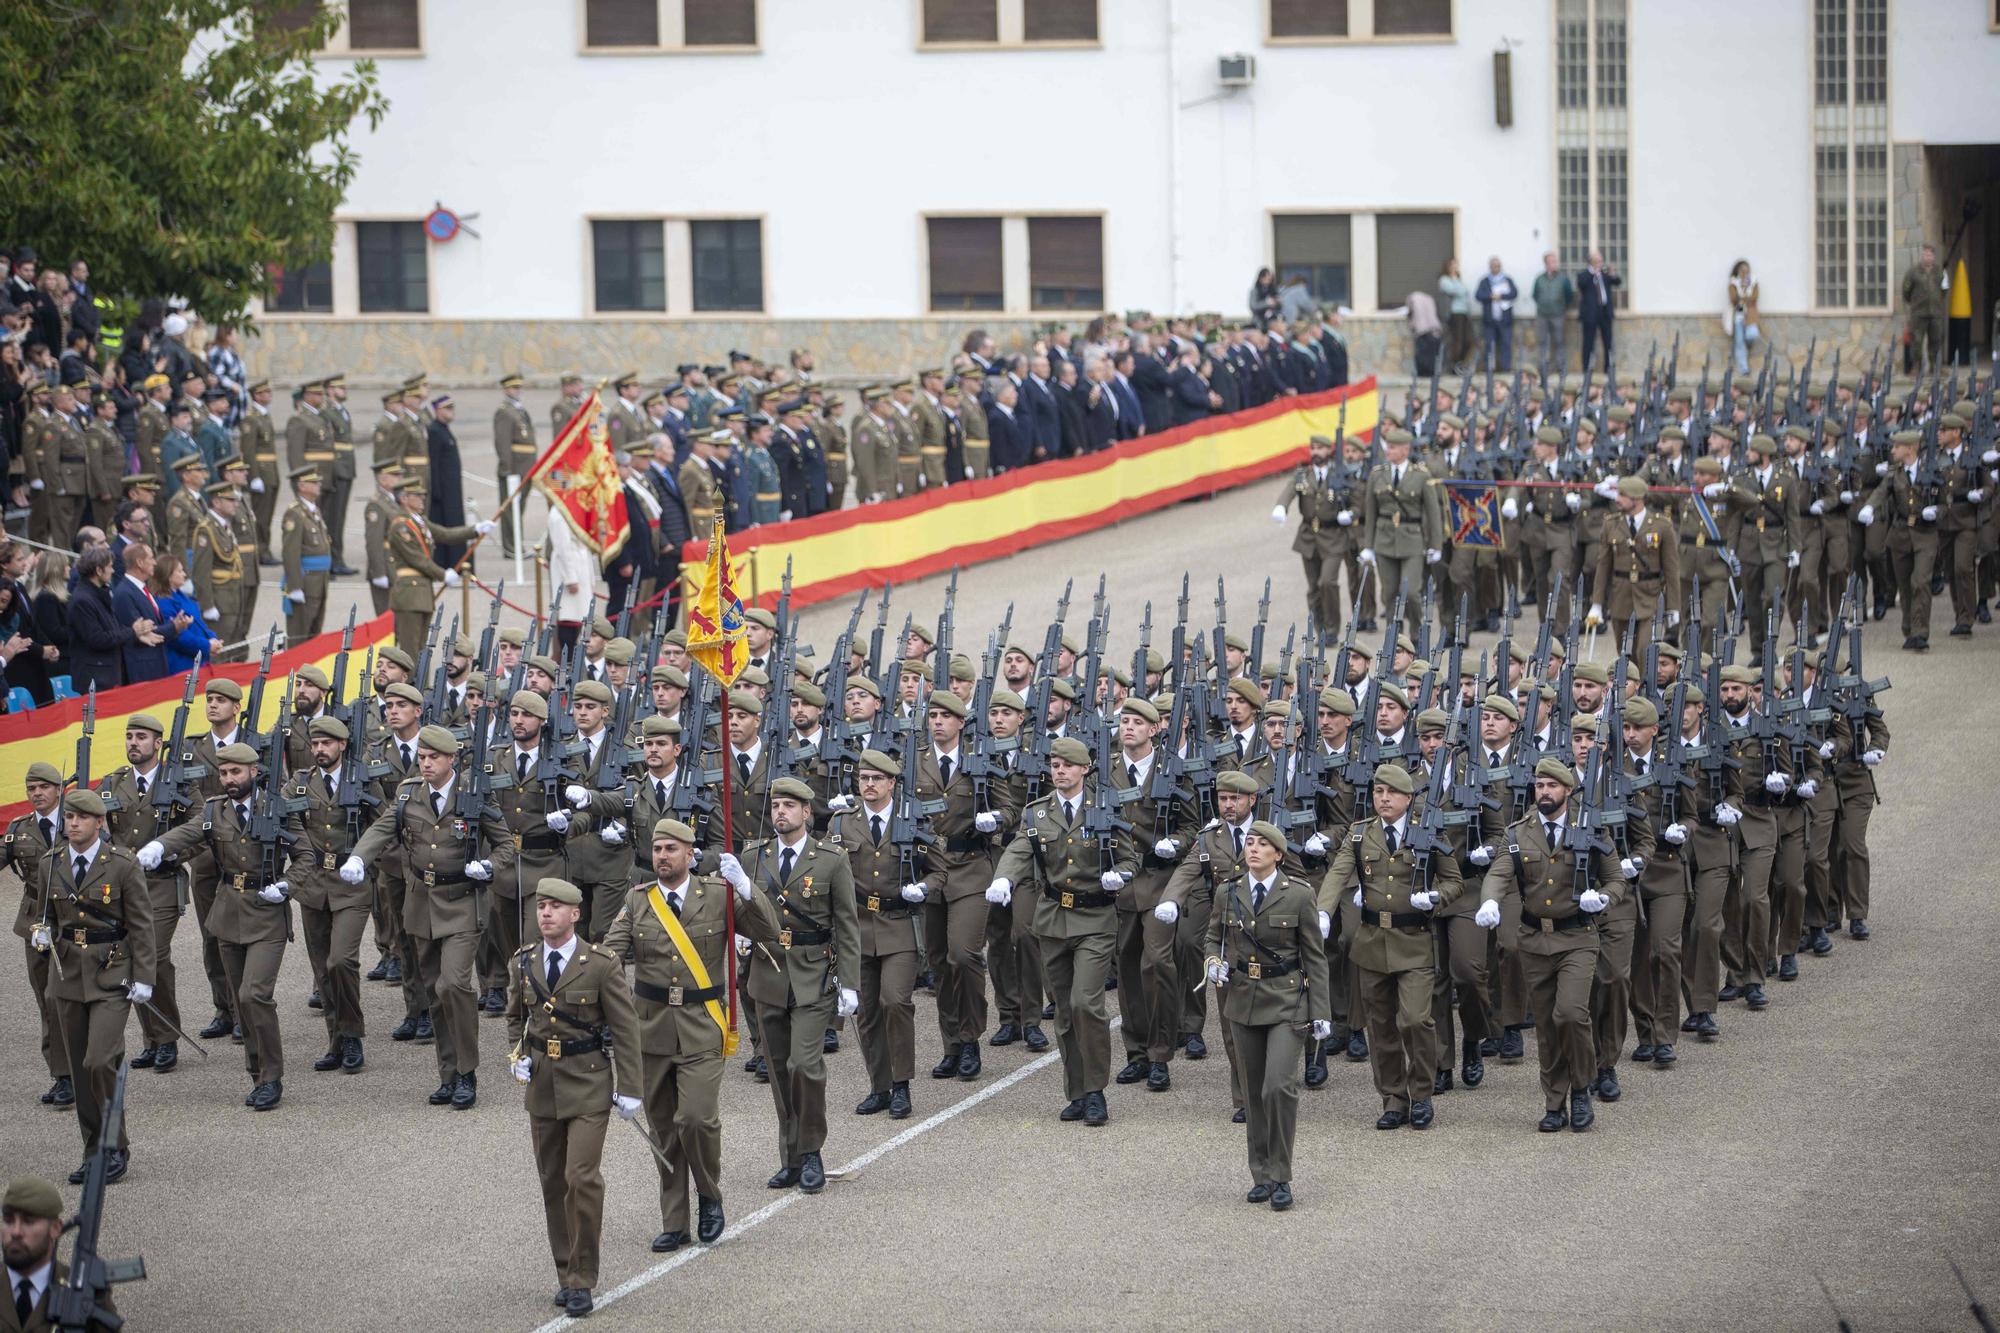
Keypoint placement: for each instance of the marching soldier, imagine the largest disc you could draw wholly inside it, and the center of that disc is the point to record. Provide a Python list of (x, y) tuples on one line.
[(887, 910), (413, 540), (1770, 866), (340, 484), (1214, 860), (332, 911), (1767, 535), (94, 926), (1911, 511), (1324, 541), (537, 828), (257, 439), (27, 842), (576, 1046), (129, 793), (394, 755), (1148, 925), (308, 560), (1639, 559), (672, 933), (250, 917), (514, 443), (1402, 527), (1265, 954)]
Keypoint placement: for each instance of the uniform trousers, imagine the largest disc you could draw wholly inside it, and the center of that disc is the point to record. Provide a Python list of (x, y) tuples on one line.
[(333, 944), (793, 1045), (1270, 1055), (1461, 947), (445, 964), (1656, 969), (683, 1105), (954, 935), (1702, 935), (253, 980), (569, 1159), (887, 1019), (93, 1037), (1402, 1039), (1611, 995), (1559, 990), (55, 1054), (1077, 967)]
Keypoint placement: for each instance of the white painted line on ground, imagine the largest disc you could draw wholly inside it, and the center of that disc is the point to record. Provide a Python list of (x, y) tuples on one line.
[(770, 1210)]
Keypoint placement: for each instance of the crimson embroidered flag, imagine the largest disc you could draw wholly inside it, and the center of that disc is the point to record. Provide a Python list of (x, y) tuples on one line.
[(579, 477)]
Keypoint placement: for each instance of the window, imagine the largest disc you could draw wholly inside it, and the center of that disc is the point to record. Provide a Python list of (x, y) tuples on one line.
[(1410, 250), (293, 17), (383, 25), (669, 25), (1066, 263), (1593, 168), (301, 291), (629, 260), (1340, 20), (1850, 154), (1008, 22), (965, 264), (1318, 249), (393, 265), (728, 264)]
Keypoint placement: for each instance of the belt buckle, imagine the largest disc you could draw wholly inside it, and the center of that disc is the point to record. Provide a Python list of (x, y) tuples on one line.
[(1256, 970), (675, 994), (329, 861), (1068, 900), (554, 1045), (80, 938), (430, 877), (784, 939), (874, 903)]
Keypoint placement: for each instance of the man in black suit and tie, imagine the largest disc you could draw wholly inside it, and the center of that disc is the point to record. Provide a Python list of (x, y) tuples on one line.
[(1007, 434), (97, 636), (674, 529), (1193, 399), (133, 601), (1152, 373), (1038, 406), (1131, 416), (675, 422), (1073, 410), (1594, 288)]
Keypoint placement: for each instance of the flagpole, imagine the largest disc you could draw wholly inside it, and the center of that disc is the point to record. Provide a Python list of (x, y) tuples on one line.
[(728, 824)]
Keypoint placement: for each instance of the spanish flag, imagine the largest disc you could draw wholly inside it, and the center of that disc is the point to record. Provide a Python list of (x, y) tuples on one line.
[(579, 477), (715, 616)]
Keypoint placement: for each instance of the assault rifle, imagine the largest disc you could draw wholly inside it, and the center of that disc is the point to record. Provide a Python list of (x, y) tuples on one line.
[(269, 810), (909, 818), (80, 1300)]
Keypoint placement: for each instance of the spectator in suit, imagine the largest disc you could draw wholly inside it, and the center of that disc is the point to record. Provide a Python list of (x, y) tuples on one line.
[(187, 634), (1072, 409), (674, 526), (1038, 406), (1497, 295), (1007, 434), (98, 636), (1193, 399), (1333, 347), (134, 523), (1594, 301), (675, 425), (132, 599), (1152, 373), (1131, 416), (28, 660), (1222, 377), (1100, 406), (633, 565)]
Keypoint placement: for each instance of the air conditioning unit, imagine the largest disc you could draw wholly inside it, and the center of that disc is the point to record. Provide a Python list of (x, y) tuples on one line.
[(1236, 71)]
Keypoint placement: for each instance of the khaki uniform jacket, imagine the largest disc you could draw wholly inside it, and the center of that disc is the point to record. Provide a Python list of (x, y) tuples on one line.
[(243, 526), (375, 516), (525, 807), (818, 899), (513, 439), (1855, 779), (341, 422), (1319, 533), (65, 458), (412, 539), (561, 411), (929, 422), (1769, 527), (440, 900), (314, 870), (309, 441), (1212, 861), (1545, 888), (639, 940), (873, 449), (219, 580), (960, 864), (303, 533), (107, 459), (888, 925), (1277, 962), (1059, 865), (257, 439), (624, 423), (591, 859), (151, 429), (1766, 815), (132, 822), (1633, 569), (590, 997), (1390, 935), (1149, 885), (238, 915), (22, 848), (1899, 502), (703, 496), (1401, 521), (112, 897), (638, 807)]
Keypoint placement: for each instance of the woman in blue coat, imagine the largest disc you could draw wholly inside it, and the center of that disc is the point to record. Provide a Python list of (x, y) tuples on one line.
[(187, 634)]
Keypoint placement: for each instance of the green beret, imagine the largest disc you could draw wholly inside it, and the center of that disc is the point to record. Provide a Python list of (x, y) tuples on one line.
[(1762, 444), (1068, 641), (557, 890), (437, 740), (1063, 687), (1433, 719), (1140, 708), (946, 700), (659, 725), (1389, 689), (1269, 832), (1237, 641), (1006, 698), (1695, 696), (145, 722), (328, 726), (672, 828), (1724, 429), (1591, 671), (620, 652), (1951, 421), (405, 691), (1632, 488), (1585, 723), (44, 771), (1336, 700), (877, 762), (87, 802), (1236, 781), (757, 615), (792, 788), (1551, 767), (1277, 708), (1155, 660), (1738, 675), (677, 637), (1673, 433), (592, 689), (1395, 435), (1549, 435), (1707, 466), (530, 703), (1910, 437), (34, 1197), (514, 635), (225, 687), (865, 684), (602, 627), (1501, 704), (1247, 690), (1451, 419), (312, 675), (1071, 751), (462, 646), (1744, 384), (961, 667), (239, 753), (1797, 432), (397, 657), (1619, 412), (666, 673), (1639, 712), (1670, 650), (1396, 778), (808, 693), (909, 666), (742, 701)]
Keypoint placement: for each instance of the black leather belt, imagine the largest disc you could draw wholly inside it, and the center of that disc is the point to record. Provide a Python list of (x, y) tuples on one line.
[(556, 1049), (1398, 920), (676, 994), (787, 938), (1080, 897), (1152, 862), (449, 888), (541, 842), (965, 842), (1257, 969), (1529, 921), (107, 936), (889, 907)]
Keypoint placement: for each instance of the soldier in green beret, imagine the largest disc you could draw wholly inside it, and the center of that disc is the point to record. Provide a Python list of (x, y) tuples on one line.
[(887, 909), (538, 825), (129, 791), (1402, 526), (332, 911), (27, 842), (31, 1221)]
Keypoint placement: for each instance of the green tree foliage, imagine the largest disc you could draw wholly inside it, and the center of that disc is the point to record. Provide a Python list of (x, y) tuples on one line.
[(183, 147)]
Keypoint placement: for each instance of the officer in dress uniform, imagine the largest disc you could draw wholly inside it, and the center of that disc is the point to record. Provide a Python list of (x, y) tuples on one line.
[(887, 909), (339, 485), (1639, 560), (514, 444), (257, 438), (218, 571), (1323, 541), (308, 559), (414, 572), (23, 847)]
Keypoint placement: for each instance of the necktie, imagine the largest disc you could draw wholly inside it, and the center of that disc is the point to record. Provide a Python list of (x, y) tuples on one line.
[(1239, 841), (82, 869), (1635, 527), (142, 786), (785, 866), (1389, 834), (1642, 768), (456, 699), (674, 901), (437, 804), (406, 754), (1555, 839), (660, 792), (1396, 476), (242, 816), (521, 767), (24, 1301), (1069, 813), (1256, 897), (1239, 749), (555, 968), (1493, 759), (944, 771), (1131, 775), (743, 767), (49, 832), (327, 778), (875, 825)]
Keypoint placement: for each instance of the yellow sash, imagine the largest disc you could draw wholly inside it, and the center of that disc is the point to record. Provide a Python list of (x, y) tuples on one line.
[(693, 960)]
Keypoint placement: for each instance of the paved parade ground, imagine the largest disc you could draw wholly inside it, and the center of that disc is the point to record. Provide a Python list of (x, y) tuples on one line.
[(1847, 1134)]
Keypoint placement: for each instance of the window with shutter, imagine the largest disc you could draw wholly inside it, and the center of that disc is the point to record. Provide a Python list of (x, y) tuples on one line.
[(383, 25), (961, 20), (1066, 263), (1316, 249), (719, 23), (965, 263), (1413, 18), (621, 23), (1059, 20), (1410, 250), (1308, 18)]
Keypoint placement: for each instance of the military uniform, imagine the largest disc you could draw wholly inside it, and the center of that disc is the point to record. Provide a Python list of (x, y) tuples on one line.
[(524, 805), (703, 495), (903, 429), (257, 440), (872, 456), (1638, 561), (134, 822), (514, 446), (332, 911), (1323, 543), (23, 848), (1767, 538), (308, 558), (413, 540), (151, 428), (376, 516), (600, 868), (220, 582), (184, 512), (928, 419), (888, 949), (1770, 883), (1150, 980), (309, 440), (391, 877), (1901, 506), (1400, 522), (978, 437), (958, 869), (65, 474), (834, 435), (340, 484)]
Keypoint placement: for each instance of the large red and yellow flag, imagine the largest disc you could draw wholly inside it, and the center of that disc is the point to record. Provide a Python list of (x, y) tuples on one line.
[(715, 616), (579, 477)]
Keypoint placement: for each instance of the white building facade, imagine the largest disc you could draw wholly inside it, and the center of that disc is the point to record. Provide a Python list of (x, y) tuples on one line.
[(872, 177)]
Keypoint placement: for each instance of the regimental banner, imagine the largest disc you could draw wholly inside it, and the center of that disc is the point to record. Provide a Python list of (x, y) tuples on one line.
[(579, 478), (1473, 513), (49, 733), (715, 616), (971, 522)]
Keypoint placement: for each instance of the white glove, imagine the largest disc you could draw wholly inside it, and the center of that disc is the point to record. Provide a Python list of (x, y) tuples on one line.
[(1431, 557), (628, 1107), (480, 870), (1316, 844), (1808, 789), (612, 834), (149, 855), (1218, 972), (211, 613), (1673, 618), (274, 892), (742, 946), (1975, 495), (1866, 516), (1726, 814), (1488, 915), (1791, 560), (1366, 557), (1713, 490), (524, 1069), (1775, 783), (1929, 514), (1508, 509), (1357, 897), (1826, 749), (1594, 617), (1166, 849), (1325, 925), (1675, 833), (352, 871), (1321, 1029), (1872, 757), (968, 474), (1573, 500), (1425, 901), (1816, 508), (257, 485), (1847, 497), (1112, 881), (451, 578), (732, 874), (578, 797), (39, 938), (1629, 867), (840, 804), (1278, 513), (1000, 892), (1480, 856), (37, 485), (849, 1002), (1608, 488), (1591, 901), (1881, 469), (1345, 518), (139, 993), (483, 526), (913, 893), (1167, 913), (986, 821), (296, 595), (557, 821), (380, 580)]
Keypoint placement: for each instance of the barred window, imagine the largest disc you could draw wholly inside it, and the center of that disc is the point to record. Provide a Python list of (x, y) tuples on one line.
[(1593, 170), (393, 260), (1850, 133)]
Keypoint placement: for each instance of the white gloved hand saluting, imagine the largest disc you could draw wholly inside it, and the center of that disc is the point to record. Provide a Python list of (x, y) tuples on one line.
[(1591, 901), (578, 797), (628, 1107), (986, 821), (1675, 833), (1000, 893), (1488, 915), (480, 870), (1167, 913), (849, 1002), (352, 871), (149, 856), (557, 821), (913, 893)]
